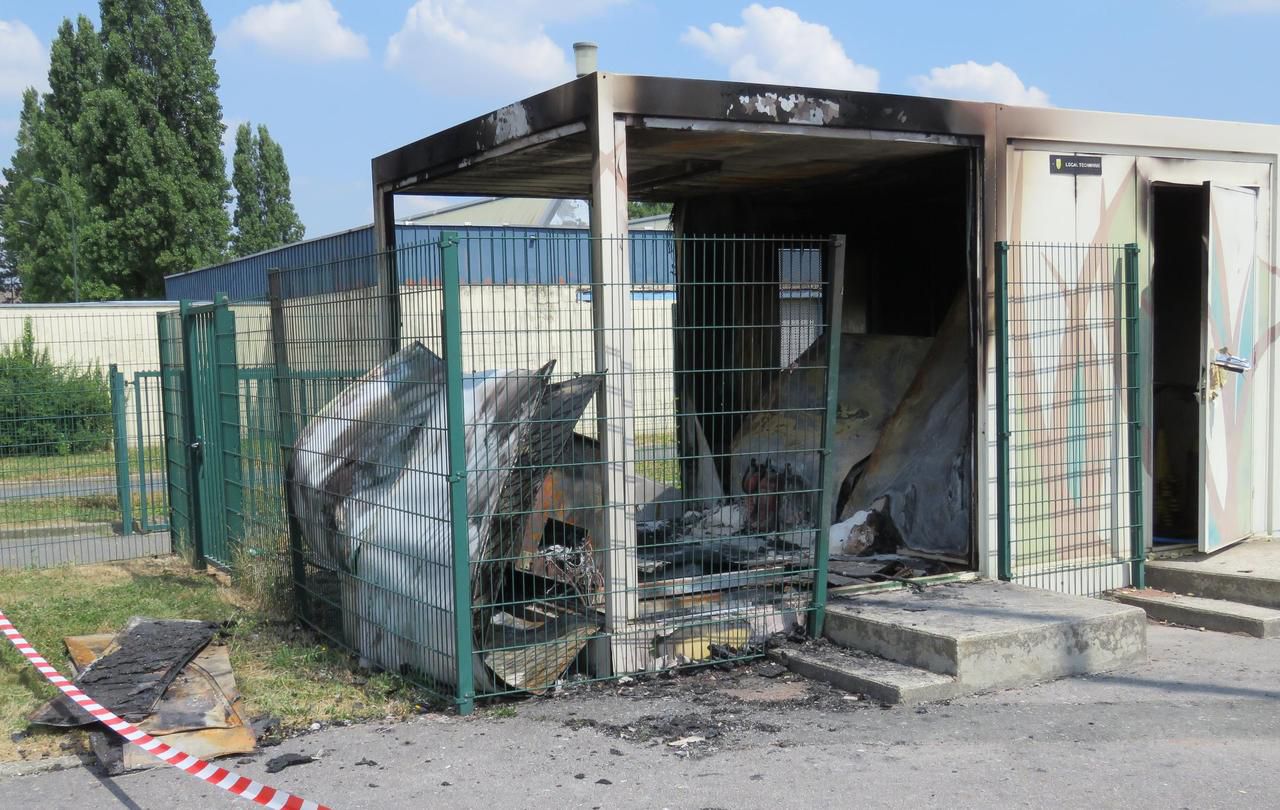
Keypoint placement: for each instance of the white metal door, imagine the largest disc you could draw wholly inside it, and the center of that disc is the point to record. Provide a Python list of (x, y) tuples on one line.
[(1227, 348)]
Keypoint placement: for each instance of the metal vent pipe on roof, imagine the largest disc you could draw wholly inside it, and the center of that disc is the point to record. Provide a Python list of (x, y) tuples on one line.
[(585, 57)]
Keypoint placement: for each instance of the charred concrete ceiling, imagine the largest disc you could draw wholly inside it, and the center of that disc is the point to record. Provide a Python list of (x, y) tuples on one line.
[(685, 138)]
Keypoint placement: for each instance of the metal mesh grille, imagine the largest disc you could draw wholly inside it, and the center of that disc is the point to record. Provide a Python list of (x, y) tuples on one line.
[(531, 481), (81, 464), (1069, 394)]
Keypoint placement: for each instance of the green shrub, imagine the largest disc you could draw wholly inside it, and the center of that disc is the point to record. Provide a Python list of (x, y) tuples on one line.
[(48, 409)]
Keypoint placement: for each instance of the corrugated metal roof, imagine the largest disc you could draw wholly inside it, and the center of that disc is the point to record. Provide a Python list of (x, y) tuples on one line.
[(529, 212)]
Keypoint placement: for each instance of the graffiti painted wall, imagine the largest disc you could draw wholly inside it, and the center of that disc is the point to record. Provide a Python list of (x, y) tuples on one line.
[(1105, 199)]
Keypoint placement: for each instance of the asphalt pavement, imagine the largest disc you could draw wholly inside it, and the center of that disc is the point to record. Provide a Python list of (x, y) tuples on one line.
[(1197, 726)]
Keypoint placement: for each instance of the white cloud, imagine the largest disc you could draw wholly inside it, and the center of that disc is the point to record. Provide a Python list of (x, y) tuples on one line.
[(774, 45), (24, 62), (460, 47), (1243, 6), (973, 82), (308, 30)]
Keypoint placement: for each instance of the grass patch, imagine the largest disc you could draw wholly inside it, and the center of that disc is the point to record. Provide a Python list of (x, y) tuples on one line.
[(79, 465), (666, 439), (280, 669), (666, 468), (663, 470), (77, 508)]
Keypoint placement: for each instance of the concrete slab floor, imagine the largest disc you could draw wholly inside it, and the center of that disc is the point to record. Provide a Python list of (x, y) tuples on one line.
[(1196, 726), (978, 608), (1211, 614), (1258, 559)]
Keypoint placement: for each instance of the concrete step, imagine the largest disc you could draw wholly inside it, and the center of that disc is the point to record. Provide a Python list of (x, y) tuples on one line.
[(1248, 573), (990, 635), (866, 674), (1198, 611)]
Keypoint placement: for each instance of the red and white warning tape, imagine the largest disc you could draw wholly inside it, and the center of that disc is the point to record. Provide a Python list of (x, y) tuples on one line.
[(241, 786)]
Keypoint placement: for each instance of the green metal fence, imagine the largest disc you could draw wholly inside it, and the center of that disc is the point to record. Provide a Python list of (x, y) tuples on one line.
[(495, 487), (153, 503), (1069, 425), (179, 478), (81, 478)]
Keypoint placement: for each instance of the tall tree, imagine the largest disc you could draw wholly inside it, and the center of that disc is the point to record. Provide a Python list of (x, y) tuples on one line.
[(152, 135), (264, 214), (44, 192), (246, 179), (283, 224)]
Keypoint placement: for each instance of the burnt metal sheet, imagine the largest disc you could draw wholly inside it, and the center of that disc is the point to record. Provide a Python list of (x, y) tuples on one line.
[(135, 670), (554, 422), (875, 372), (118, 757), (201, 696), (749, 102), (200, 712), (537, 146), (557, 107), (532, 651), (923, 461)]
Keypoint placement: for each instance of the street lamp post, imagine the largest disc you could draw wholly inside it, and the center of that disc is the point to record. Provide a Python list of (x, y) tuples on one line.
[(75, 244)]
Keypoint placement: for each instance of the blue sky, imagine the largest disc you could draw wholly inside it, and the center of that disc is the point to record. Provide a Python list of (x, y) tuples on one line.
[(340, 81)]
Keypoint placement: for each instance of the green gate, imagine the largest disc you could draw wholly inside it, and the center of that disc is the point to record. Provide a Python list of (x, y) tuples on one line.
[(199, 392), (1068, 410)]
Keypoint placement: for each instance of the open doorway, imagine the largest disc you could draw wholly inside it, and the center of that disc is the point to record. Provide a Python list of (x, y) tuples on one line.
[(1177, 283), (902, 450)]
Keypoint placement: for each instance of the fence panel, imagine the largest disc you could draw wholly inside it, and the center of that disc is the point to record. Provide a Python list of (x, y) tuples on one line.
[(153, 508), (177, 440), (79, 434), (1069, 416), (471, 512)]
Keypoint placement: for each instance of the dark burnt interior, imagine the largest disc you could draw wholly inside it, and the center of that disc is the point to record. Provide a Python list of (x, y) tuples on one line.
[(908, 258), (1178, 229)]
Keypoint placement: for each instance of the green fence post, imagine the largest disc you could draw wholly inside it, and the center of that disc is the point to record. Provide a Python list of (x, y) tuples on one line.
[(120, 439), (144, 508), (194, 445), (1004, 519), (227, 395), (286, 430), (451, 323), (1133, 364), (169, 415), (834, 265)]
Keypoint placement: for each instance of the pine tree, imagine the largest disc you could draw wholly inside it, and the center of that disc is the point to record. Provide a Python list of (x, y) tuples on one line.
[(264, 214), (152, 133)]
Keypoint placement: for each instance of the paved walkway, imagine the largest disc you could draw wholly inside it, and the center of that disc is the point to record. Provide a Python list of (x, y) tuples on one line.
[(1198, 726), (72, 486)]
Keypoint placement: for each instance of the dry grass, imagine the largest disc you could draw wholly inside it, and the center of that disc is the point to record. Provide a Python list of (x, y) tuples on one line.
[(281, 670)]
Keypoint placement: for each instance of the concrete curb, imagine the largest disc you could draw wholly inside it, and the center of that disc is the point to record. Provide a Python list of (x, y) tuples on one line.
[(12, 770)]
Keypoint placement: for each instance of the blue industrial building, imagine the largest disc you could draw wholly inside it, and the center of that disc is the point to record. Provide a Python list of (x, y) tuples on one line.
[(489, 255)]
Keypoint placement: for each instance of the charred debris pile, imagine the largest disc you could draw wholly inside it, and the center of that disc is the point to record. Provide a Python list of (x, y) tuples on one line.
[(724, 556)]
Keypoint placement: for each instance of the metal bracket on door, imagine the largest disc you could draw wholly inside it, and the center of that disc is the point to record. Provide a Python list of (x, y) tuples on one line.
[(1232, 362)]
